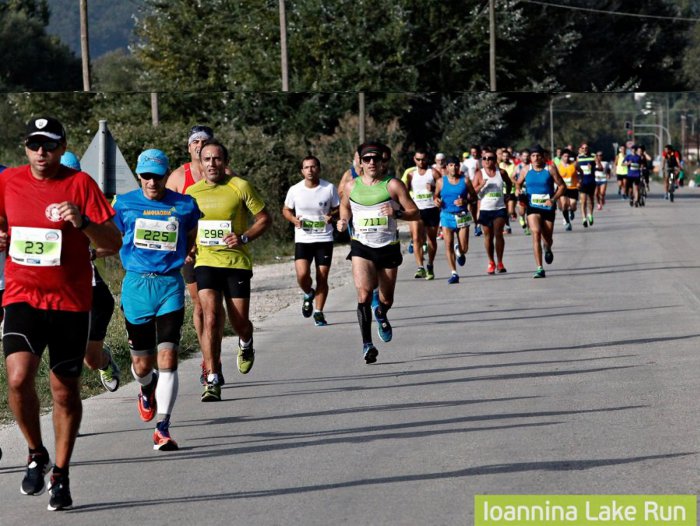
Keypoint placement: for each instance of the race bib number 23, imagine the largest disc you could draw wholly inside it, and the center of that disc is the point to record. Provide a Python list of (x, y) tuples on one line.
[(36, 247)]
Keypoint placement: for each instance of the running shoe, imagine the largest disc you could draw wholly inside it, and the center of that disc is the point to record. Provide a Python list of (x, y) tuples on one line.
[(320, 319), (590, 219), (585, 223), (420, 273), (147, 400), (59, 491), (548, 255), (666, 196), (527, 231), (205, 372), (307, 307), (111, 375), (631, 202), (456, 247), (539, 273), (572, 215), (410, 247), (211, 393), (564, 222), (600, 207), (491, 268), (246, 358), (500, 268), (454, 278), (429, 274), (425, 247), (508, 229), (477, 231), (461, 259), (521, 220), (440, 236), (568, 227), (161, 438), (383, 327), (38, 465), (370, 352)]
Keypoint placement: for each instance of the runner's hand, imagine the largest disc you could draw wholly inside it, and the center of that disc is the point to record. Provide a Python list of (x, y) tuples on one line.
[(71, 213)]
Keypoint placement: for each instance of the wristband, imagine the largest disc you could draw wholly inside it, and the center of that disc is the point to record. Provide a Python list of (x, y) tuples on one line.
[(398, 214), (86, 222)]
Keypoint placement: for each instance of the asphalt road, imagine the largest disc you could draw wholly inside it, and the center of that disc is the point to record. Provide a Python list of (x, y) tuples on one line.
[(583, 382)]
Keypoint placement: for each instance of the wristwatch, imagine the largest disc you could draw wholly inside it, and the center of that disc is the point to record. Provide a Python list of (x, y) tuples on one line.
[(244, 239), (86, 222)]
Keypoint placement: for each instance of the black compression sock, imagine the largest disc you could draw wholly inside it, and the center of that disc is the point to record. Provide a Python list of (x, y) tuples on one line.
[(364, 317)]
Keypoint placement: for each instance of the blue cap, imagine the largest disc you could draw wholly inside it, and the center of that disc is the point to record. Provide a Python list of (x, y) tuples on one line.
[(70, 160), (2, 167), (152, 162)]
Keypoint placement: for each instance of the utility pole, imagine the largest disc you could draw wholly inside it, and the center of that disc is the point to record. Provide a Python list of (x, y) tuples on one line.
[(84, 45), (361, 116), (492, 43), (155, 115), (283, 46)]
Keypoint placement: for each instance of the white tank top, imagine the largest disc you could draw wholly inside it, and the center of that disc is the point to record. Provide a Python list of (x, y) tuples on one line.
[(372, 229), (422, 195), (492, 192)]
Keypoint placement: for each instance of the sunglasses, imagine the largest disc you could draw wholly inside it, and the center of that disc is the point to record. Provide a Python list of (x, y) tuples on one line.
[(488, 158), (48, 146), (369, 158), (148, 176), (419, 159)]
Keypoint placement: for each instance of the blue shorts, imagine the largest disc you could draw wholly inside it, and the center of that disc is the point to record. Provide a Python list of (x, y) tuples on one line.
[(447, 220), (145, 296)]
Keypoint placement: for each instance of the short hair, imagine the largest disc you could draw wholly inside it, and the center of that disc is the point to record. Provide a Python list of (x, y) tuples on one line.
[(421, 150), (214, 142), (310, 158)]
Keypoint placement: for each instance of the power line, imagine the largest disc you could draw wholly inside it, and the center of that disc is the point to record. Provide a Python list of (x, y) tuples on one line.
[(617, 13)]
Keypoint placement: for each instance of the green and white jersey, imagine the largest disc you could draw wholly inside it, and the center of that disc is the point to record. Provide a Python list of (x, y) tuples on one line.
[(369, 227)]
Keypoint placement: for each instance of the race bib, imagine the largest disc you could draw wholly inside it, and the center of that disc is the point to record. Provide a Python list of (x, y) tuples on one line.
[(463, 219), (493, 195), (154, 234), (36, 247), (370, 223), (212, 233), (423, 199), (634, 166), (600, 176), (586, 169), (539, 200), (315, 225)]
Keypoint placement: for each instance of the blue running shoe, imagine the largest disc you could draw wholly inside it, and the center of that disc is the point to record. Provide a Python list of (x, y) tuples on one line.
[(410, 247), (461, 259), (383, 327), (477, 231), (370, 352), (454, 278)]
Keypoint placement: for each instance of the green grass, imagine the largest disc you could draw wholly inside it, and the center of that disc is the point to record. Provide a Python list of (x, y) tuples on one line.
[(264, 250)]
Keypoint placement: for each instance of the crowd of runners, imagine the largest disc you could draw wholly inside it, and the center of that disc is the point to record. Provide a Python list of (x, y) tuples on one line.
[(186, 232)]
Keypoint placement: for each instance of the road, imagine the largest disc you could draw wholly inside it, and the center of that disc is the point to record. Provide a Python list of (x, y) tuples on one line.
[(583, 382)]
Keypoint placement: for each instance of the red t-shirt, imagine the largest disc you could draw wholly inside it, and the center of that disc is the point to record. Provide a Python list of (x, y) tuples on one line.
[(29, 202)]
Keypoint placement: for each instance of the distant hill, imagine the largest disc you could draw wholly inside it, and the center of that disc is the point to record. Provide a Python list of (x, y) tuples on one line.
[(110, 24)]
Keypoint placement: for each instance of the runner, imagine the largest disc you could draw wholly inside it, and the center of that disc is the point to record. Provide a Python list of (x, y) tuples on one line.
[(586, 165), (159, 227), (634, 172), (451, 195), (491, 185), (310, 206), (602, 174), (469, 168), (97, 355), (421, 181), (569, 200), (224, 266), (621, 171), (522, 168), (48, 295), (508, 166), (375, 202), (179, 181), (541, 204)]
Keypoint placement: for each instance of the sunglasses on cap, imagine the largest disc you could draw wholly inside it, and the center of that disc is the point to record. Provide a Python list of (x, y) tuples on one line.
[(488, 158), (369, 158), (48, 146), (148, 176)]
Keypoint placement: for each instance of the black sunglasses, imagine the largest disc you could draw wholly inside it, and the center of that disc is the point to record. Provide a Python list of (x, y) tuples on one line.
[(48, 146), (488, 158), (369, 158), (148, 176)]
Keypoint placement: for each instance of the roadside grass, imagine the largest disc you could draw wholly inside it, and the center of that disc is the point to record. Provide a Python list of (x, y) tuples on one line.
[(265, 250)]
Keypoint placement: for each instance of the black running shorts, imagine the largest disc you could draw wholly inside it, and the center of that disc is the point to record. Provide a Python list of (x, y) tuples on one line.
[(430, 216), (322, 252), (231, 282), (388, 256)]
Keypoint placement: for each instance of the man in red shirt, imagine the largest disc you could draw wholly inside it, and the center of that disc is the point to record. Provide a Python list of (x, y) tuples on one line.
[(48, 293)]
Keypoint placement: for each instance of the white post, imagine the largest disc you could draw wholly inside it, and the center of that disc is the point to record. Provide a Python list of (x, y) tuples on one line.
[(102, 156)]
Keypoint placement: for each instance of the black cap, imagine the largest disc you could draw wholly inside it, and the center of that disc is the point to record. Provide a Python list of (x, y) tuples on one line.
[(452, 160), (371, 147), (46, 127), (537, 149)]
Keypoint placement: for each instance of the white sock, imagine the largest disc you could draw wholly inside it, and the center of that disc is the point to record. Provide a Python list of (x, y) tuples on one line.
[(245, 345), (166, 392), (143, 380)]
